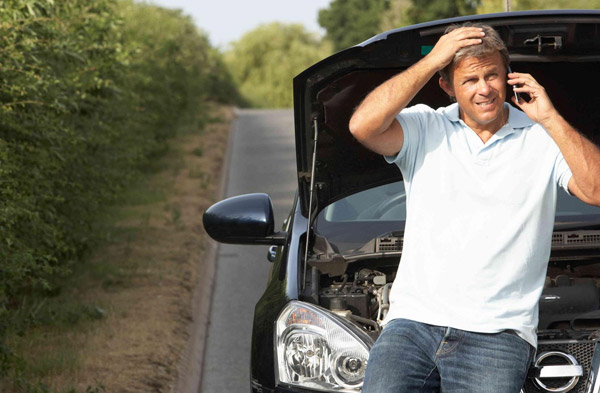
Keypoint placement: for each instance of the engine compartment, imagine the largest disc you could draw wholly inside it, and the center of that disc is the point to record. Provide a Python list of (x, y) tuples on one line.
[(361, 294), (569, 306)]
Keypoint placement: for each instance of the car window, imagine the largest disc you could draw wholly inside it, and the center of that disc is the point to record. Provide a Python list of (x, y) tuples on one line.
[(388, 203)]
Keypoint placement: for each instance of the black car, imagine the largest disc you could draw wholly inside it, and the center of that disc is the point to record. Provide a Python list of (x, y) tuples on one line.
[(336, 256)]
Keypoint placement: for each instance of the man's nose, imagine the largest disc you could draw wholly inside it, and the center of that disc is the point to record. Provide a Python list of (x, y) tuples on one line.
[(483, 87)]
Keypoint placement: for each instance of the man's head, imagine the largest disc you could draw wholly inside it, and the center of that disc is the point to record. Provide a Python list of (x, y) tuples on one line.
[(490, 44), (476, 79)]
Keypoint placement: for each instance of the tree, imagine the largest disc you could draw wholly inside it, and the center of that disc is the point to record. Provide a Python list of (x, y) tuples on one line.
[(265, 60), (428, 10), (489, 6), (395, 16), (350, 22)]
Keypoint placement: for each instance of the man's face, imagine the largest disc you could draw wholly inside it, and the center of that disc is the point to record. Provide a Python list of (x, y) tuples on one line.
[(479, 86)]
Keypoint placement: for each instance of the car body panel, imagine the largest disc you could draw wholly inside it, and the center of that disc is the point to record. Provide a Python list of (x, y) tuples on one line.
[(282, 287)]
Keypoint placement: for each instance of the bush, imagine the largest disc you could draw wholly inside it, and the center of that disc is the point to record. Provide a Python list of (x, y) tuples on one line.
[(90, 90)]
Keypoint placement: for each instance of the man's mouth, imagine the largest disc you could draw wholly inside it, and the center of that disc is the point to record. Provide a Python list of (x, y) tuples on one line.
[(486, 103)]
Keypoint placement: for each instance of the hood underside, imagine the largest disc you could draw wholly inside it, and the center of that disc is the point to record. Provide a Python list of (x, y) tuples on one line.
[(561, 49)]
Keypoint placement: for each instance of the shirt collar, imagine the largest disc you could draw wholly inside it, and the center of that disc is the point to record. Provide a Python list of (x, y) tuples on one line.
[(517, 119)]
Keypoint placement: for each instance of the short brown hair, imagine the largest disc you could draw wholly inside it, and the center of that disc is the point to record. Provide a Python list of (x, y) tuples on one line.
[(490, 43)]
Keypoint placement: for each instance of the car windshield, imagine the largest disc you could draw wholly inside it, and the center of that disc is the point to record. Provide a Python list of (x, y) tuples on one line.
[(388, 203)]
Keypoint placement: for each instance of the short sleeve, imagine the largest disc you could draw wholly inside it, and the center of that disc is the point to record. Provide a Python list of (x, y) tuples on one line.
[(562, 172), (413, 122)]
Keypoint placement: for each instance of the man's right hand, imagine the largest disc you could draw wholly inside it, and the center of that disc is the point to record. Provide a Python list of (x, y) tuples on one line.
[(374, 123), (444, 50)]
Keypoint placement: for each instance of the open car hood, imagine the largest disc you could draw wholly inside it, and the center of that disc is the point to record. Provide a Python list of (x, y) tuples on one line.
[(561, 49)]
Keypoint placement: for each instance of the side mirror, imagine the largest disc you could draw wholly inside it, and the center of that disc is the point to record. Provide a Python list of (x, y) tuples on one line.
[(244, 219)]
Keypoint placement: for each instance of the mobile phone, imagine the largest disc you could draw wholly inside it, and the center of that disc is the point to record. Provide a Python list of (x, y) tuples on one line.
[(517, 97)]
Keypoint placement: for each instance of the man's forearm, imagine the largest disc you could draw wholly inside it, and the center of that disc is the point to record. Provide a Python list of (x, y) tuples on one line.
[(582, 156), (377, 111), (373, 122)]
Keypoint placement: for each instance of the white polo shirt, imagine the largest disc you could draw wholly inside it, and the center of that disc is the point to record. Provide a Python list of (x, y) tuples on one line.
[(479, 221)]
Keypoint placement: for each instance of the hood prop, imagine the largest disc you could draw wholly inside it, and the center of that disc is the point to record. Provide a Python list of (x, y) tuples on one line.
[(310, 198)]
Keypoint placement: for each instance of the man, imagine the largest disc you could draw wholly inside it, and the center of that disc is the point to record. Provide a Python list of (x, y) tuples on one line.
[(481, 180)]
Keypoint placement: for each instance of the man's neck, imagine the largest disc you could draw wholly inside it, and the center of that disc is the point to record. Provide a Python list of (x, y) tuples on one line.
[(486, 131)]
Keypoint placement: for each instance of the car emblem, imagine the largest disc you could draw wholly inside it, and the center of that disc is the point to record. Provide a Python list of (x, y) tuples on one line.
[(563, 366)]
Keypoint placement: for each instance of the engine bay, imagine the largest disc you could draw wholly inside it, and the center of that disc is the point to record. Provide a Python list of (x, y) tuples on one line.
[(570, 301), (354, 283), (361, 296)]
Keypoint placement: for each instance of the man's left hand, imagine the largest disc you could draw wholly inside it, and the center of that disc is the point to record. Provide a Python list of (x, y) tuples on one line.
[(539, 108), (582, 156)]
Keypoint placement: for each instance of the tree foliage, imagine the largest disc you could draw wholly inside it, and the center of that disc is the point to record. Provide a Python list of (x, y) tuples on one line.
[(428, 10), (265, 60), (350, 22), (490, 6), (395, 15), (89, 91), (400, 13)]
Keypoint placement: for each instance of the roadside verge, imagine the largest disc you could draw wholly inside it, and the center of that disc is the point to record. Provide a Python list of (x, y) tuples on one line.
[(190, 369)]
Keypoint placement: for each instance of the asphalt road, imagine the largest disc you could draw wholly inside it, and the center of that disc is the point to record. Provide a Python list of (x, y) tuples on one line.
[(262, 160)]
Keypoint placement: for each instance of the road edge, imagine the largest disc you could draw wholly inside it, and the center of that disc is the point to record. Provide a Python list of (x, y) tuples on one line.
[(190, 370)]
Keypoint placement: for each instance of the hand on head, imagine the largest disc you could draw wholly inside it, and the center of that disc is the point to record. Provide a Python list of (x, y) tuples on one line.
[(444, 50)]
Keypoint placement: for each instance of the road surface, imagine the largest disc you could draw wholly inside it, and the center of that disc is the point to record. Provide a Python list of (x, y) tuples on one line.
[(262, 160)]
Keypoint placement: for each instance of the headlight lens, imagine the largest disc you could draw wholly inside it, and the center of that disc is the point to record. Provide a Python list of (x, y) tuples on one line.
[(317, 350)]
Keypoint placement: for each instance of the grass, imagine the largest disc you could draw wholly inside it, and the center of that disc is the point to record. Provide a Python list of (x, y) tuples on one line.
[(54, 329), (123, 309), (198, 152), (45, 342)]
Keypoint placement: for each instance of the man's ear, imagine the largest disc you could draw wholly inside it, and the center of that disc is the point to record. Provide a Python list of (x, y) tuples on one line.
[(447, 87)]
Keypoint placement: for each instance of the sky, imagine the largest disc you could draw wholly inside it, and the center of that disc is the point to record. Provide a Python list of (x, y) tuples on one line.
[(228, 20)]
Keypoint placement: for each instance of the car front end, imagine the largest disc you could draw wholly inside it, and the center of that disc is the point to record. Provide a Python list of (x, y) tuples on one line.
[(336, 257)]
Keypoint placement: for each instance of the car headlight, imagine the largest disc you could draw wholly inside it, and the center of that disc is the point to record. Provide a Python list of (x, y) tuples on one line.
[(319, 350)]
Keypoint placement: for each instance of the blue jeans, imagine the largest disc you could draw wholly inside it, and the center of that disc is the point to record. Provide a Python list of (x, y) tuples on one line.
[(415, 357)]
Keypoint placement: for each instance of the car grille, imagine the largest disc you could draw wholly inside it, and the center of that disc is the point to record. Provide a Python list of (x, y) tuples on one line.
[(583, 351), (576, 239), (388, 243)]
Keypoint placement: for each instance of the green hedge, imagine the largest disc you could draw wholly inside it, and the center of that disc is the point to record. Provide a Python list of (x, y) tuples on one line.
[(89, 92)]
